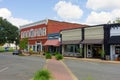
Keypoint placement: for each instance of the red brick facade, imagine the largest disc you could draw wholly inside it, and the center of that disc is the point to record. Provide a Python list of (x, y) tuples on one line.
[(37, 33)]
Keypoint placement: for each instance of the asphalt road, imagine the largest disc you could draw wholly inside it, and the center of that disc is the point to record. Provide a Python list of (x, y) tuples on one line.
[(85, 70), (19, 67)]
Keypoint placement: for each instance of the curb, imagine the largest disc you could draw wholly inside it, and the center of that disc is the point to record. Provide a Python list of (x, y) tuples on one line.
[(93, 60)]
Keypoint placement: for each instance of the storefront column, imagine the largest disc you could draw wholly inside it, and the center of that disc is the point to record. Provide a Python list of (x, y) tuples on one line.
[(62, 49), (85, 51), (36, 47), (41, 46), (112, 54), (28, 48), (32, 47)]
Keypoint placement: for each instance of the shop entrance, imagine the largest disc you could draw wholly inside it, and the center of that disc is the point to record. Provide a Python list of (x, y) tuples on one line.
[(39, 47), (96, 49), (93, 50), (53, 49)]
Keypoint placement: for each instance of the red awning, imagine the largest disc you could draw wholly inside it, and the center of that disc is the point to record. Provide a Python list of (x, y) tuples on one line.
[(52, 43)]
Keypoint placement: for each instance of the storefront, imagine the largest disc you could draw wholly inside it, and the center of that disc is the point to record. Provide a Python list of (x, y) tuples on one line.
[(71, 42), (53, 43), (93, 41), (44, 32), (114, 42)]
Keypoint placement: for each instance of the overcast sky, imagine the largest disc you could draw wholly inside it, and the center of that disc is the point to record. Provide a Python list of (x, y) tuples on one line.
[(20, 12)]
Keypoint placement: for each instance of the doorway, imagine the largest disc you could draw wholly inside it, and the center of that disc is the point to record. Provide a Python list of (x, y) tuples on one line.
[(94, 50)]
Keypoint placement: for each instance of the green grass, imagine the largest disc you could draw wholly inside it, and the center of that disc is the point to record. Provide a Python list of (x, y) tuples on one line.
[(2, 49), (88, 78), (42, 75)]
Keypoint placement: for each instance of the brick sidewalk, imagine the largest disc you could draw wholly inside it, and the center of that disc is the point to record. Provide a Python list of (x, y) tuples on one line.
[(59, 70)]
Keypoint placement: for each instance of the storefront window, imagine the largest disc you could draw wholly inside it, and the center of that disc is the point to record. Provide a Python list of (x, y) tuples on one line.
[(117, 50), (72, 48)]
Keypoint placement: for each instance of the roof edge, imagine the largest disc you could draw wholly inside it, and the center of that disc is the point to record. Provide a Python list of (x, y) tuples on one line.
[(45, 21)]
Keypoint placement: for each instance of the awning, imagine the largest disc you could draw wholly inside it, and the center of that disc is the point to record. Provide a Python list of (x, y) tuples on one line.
[(71, 42), (114, 40), (52, 43), (92, 41)]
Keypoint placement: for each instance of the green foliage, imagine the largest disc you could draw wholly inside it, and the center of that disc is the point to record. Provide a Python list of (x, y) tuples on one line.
[(117, 20), (102, 53), (80, 52), (42, 75), (2, 49), (21, 54), (32, 52), (88, 78), (23, 43), (48, 55), (58, 56), (55, 53), (11, 49), (8, 32)]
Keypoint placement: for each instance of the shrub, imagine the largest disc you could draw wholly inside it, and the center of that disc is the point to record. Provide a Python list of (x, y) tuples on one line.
[(89, 78), (48, 55), (58, 56), (42, 75), (56, 53), (21, 55)]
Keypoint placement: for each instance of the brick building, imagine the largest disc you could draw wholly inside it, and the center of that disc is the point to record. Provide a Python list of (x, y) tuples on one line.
[(45, 34)]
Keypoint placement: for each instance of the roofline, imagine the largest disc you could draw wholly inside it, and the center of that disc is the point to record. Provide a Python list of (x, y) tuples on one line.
[(87, 26), (45, 21), (82, 26), (104, 24)]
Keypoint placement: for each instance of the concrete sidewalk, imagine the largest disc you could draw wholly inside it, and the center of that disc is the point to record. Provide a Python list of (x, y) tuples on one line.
[(59, 70), (94, 60)]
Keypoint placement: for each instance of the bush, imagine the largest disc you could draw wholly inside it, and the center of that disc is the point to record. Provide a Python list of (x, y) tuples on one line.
[(88, 78), (34, 52), (48, 55), (42, 75), (58, 56)]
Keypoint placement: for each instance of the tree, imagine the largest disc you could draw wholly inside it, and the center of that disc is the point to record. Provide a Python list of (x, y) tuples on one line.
[(8, 32), (23, 43), (117, 20)]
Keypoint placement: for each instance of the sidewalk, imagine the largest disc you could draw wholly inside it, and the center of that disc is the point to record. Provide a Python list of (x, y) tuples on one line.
[(94, 60), (59, 70)]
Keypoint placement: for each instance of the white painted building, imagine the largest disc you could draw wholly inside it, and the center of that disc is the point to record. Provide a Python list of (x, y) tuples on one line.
[(114, 42)]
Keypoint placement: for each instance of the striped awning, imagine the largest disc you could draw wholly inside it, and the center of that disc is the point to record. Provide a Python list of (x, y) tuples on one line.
[(92, 41), (52, 43), (71, 42)]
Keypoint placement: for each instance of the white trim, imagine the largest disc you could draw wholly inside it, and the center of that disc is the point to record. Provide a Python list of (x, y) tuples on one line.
[(36, 38), (35, 23)]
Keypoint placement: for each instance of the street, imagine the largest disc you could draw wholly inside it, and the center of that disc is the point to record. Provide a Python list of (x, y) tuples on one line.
[(85, 70), (19, 67)]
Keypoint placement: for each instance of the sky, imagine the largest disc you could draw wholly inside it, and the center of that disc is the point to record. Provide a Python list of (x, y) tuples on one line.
[(92, 12)]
